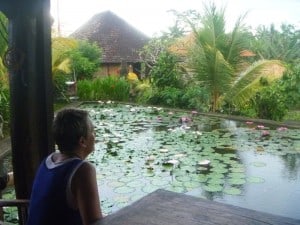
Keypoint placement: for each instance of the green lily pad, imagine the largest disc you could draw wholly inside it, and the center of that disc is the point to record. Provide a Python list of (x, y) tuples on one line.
[(183, 178), (236, 181), (178, 189), (232, 191), (215, 181), (124, 190), (191, 184), (213, 188), (149, 189), (160, 182), (237, 175), (114, 184)]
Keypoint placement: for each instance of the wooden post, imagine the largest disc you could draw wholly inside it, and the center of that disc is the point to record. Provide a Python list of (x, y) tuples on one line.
[(29, 63)]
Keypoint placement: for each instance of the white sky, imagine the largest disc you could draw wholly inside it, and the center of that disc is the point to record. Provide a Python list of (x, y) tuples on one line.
[(151, 16)]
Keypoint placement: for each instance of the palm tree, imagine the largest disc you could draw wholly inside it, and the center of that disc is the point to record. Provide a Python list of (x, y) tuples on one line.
[(280, 44), (215, 56)]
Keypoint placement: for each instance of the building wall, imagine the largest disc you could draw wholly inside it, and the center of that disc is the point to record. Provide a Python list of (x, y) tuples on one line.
[(108, 69)]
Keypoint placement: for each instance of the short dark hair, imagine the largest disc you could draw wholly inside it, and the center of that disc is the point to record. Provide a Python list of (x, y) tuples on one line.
[(69, 126)]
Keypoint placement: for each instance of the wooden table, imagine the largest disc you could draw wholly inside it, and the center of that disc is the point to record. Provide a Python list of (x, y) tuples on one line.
[(168, 208)]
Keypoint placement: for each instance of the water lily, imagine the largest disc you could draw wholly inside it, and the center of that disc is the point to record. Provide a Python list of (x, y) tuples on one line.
[(282, 128), (260, 126), (185, 119), (150, 158), (163, 150), (204, 162), (249, 122), (173, 161), (265, 133)]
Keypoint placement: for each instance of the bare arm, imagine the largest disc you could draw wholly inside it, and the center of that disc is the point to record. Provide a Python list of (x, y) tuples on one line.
[(85, 189)]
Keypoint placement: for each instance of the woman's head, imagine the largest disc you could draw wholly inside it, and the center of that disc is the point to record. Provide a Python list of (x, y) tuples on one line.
[(70, 127)]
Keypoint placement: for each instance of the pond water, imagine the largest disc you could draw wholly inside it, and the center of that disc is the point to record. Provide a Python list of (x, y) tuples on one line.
[(141, 149)]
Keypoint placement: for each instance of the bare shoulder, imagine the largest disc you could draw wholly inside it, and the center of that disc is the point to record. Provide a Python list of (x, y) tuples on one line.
[(85, 170)]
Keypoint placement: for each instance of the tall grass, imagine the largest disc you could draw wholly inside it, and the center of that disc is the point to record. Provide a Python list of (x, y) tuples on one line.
[(106, 88)]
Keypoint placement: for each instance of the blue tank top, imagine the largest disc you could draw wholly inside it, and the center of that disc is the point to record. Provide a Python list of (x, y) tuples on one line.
[(48, 203)]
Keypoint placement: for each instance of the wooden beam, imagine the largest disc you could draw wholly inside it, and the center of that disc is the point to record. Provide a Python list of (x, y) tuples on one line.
[(29, 63)]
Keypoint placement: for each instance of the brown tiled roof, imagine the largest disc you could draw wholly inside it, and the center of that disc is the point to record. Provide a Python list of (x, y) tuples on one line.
[(119, 40)]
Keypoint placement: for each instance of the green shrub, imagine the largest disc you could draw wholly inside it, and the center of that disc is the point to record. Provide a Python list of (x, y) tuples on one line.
[(60, 87), (165, 73), (270, 103), (196, 97), (290, 86), (85, 90), (144, 92)]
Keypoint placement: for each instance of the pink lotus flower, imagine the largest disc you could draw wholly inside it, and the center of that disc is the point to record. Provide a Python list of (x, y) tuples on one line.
[(265, 133), (194, 112), (260, 126), (249, 122), (185, 119), (282, 128)]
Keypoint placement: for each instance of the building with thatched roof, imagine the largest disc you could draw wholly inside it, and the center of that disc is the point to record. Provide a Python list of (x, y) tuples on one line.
[(120, 42)]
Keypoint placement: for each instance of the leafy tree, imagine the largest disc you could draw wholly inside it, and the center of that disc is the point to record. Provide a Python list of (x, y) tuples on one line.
[(165, 72), (151, 52), (85, 59)]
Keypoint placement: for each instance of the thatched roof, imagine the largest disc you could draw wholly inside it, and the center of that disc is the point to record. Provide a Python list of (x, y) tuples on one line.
[(119, 40)]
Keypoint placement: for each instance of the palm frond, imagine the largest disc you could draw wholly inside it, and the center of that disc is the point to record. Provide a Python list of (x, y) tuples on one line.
[(248, 82)]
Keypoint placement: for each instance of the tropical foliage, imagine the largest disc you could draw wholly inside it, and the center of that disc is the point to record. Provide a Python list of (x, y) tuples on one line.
[(249, 81), (280, 44), (215, 58), (106, 88), (4, 89), (3, 42), (165, 72), (85, 59), (72, 60)]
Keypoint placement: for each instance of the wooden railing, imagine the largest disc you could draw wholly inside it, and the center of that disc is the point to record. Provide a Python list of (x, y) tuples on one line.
[(21, 204)]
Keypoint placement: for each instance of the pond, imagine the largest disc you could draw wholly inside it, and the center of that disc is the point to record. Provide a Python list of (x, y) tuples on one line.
[(141, 149)]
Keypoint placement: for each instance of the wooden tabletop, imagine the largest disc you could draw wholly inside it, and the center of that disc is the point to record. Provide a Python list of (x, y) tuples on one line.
[(168, 208)]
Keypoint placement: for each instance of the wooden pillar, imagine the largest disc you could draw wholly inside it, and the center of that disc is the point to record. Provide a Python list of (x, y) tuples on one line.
[(29, 63)]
